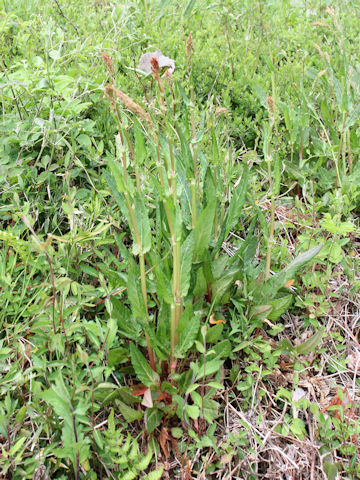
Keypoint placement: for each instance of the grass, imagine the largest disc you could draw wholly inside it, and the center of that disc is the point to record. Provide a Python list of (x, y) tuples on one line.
[(179, 264)]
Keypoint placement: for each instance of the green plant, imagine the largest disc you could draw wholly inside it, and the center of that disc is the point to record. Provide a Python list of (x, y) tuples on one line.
[(124, 453), (179, 213)]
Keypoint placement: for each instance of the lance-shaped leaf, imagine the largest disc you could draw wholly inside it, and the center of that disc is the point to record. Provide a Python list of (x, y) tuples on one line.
[(143, 226), (144, 372), (187, 250), (117, 175), (188, 329), (203, 229), (272, 286), (234, 210), (135, 296), (130, 414), (310, 344)]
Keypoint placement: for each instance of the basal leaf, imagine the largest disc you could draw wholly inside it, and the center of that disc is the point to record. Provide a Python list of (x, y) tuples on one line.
[(188, 329), (187, 250), (134, 291), (60, 405), (130, 414), (234, 209), (117, 173), (203, 229), (272, 286), (213, 335), (117, 355), (310, 344), (143, 226), (260, 312), (279, 306), (144, 372), (126, 326), (153, 418)]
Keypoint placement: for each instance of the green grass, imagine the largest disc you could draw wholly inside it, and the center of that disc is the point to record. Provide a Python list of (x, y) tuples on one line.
[(179, 276)]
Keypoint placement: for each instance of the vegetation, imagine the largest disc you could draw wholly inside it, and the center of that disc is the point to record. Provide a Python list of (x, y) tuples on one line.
[(179, 263)]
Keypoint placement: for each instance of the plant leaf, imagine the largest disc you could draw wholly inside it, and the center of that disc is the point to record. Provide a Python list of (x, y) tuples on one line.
[(134, 291), (153, 417), (310, 344), (144, 372), (60, 405), (188, 329), (130, 414), (272, 286), (234, 209), (143, 226), (203, 229), (187, 251), (279, 306)]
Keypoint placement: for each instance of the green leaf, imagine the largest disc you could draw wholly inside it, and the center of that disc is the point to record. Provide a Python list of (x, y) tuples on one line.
[(84, 141), (60, 405), (177, 432), (112, 329), (310, 344), (279, 306), (277, 281), (210, 409), (129, 475), (261, 94), (134, 292), (188, 329), (260, 312), (153, 417), (298, 428), (234, 209), (117, 175), (126, 326), (331, 470), (140, 150), (200, 286), (118, 355), (130, 414), (193, 411), (143, 227), (98, 439), (163, 283), (145, 461), (188, 8), (222, 349), (210, 367), (209, 186), (144, 372), (187, 253), (237, 202), (203, 229), (21, 414), (155, 474), (277, 175), (224, 284), (214, 333)]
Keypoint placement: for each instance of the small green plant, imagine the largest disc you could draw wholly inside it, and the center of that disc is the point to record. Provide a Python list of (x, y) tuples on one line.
[(124, 453)]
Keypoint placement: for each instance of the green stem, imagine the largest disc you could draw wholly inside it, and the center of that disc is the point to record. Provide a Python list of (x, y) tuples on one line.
[(272, 212), (177, 307)]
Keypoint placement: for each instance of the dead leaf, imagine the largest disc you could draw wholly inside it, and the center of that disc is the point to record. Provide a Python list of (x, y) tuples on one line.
[(145, 61), (147, 400)]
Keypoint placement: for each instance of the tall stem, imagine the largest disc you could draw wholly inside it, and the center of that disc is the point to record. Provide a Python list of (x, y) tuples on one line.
[(177, 307)]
